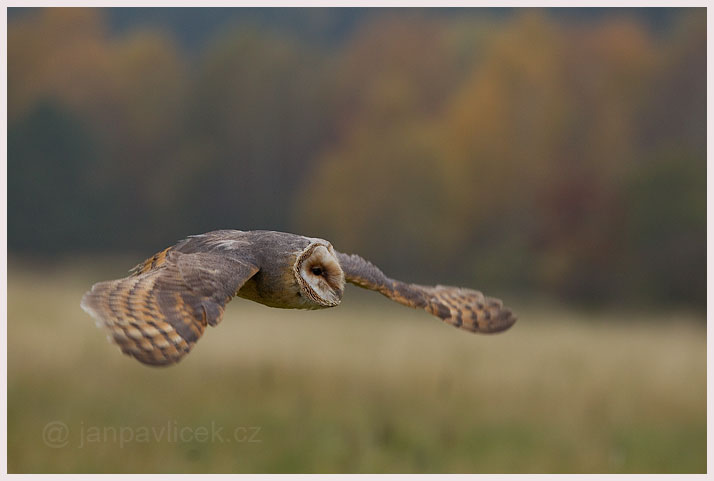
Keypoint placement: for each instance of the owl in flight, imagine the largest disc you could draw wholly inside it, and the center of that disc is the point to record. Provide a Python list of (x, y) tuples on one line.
[(157, 314)]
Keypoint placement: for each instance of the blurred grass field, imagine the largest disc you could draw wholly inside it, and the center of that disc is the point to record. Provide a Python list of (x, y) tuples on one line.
[(367, 387)]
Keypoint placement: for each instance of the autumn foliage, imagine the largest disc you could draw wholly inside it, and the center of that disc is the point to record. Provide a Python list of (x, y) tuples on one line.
[(525, 153)]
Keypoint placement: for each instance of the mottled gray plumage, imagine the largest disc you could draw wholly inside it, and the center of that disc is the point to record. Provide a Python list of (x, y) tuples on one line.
[(158, 313)]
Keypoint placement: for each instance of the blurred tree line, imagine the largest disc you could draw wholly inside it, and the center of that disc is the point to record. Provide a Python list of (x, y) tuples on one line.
[(522, 153)]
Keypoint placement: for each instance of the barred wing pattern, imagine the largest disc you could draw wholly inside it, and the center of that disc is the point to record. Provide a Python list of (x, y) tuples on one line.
[(157, 314), (463, 308)]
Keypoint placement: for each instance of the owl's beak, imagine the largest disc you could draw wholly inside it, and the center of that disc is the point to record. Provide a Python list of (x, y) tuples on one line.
[(333, 297)]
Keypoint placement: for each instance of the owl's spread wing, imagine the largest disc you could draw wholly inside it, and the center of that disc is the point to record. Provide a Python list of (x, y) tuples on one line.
[(460, 307), (157, 314)]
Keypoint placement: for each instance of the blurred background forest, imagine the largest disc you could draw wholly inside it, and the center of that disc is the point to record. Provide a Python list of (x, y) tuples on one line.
[(548, 152), (554, 158)]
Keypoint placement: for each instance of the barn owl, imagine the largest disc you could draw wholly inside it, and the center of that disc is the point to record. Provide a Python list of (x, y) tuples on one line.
[(159, 312)]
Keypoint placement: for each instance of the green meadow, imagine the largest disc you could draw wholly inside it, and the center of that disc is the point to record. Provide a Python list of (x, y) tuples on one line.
[(369, 386)]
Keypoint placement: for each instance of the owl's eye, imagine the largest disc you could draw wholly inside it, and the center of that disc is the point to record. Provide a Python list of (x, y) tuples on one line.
[(317, 271)]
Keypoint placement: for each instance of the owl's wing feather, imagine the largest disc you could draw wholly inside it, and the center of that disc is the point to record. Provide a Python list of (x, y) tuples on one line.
[(157, 314), (464, 308)]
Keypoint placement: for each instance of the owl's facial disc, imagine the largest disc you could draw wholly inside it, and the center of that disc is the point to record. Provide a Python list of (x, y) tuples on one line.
[(319, 274)]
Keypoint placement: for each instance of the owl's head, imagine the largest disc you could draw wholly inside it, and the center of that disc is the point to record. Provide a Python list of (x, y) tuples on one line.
[(319, 274)]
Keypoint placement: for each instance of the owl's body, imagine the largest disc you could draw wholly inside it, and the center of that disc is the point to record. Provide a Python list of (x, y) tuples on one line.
[(275, 284), (158, 313)]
